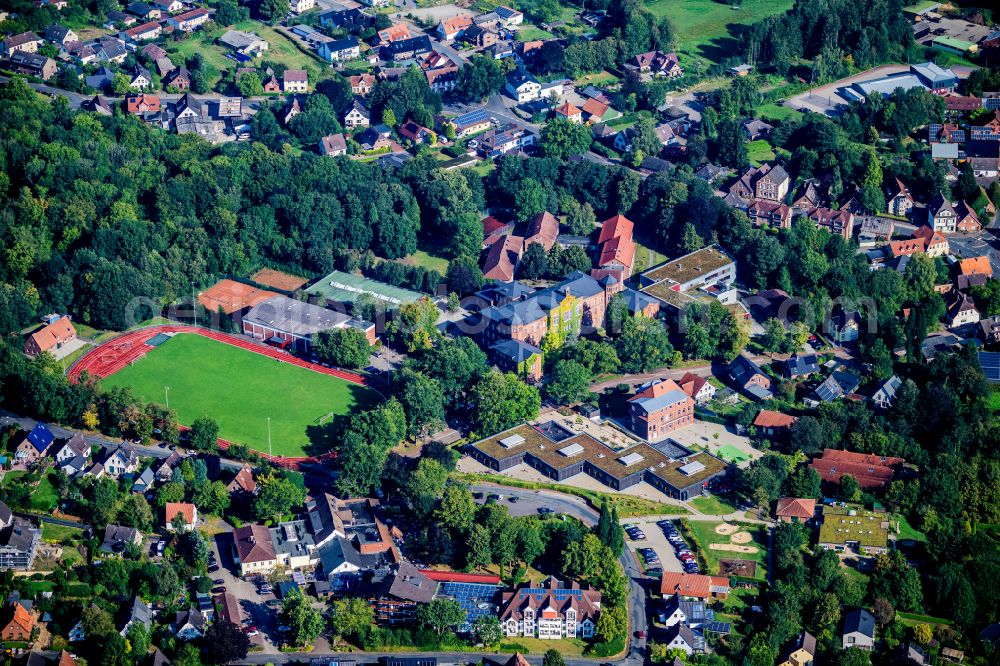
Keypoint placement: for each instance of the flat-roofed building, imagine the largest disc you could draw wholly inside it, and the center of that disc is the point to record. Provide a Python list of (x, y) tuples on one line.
[(864, 532), (290, 323), (708, 265)]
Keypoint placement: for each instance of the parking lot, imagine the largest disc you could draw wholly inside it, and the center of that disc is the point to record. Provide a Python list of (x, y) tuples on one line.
[(254, 607), (976, 245), (657, 541)]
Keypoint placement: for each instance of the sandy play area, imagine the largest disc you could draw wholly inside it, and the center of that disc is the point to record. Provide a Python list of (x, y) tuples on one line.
[(725, 529), (736, 539), (732, 548)]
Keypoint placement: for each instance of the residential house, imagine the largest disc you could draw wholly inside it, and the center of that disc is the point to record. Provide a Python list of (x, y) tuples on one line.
[(885, 392), (83, 53), (509, 17), (339, 50), (97, 105), (34, 445), (837, 222), (542, 229), (243, 483), (694, 586), (795, 509), (117, 539), (357, 116), (165, 470), (658, 409), (774, 425), (142, 33), (495, 229), (396, 593), (941, 215), (844, 325), (749, 378), (31, 64), (178, 79), (770, 213), (299, 6), (966, 220), (362, 84), (677, 610), (144, 482), (696, 387), (505, 139), (296, 81), (245, 43), (471, 122), (800, 653), (837, 385), (140, 78), (123, 460), (452, 28), (376, 137), (925, 239), (800, 365), (169, 6), (569, 112), (972, 272), (766, 182), (416, 134), (294, 109), (352, 21), (61, 35), (189, 21), (960, 309), (871, 471), (254, 551), (754, 129), (898, 200), (139, 613), (50, 337), (875, 230), (142, 104), (859, 630), (147, 12), (596, 111), (18, 625), (521, 358), (812, 194), (479, 37), (550, 611), (657, 63), (394, 33), (27, 42), (502, 258), (271, 85), (682, 637), (180, 516), (18, 541), (407, 49), (522, 86), (333, 145), (615, 247), (111, 50), (442, 79), (189, 624), (76, 446)]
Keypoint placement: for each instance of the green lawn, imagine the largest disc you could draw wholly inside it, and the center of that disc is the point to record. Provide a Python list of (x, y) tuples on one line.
[(705, 535), (993, 399), (60, 533), (427, 260), (776, 112), (713, 505), (602, 78), (760, 151), (713, 29), (12, 475), (531, 33), (907, 531), (240, 390), (567, 647), (44, 498)]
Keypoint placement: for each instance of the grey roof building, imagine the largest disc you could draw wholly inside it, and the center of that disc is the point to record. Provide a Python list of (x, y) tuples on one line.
[(18, 541), (117, 538), (859, 630), (139, 613), (287, 321)]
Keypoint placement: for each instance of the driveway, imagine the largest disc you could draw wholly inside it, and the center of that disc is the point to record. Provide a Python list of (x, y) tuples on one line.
[(253, 606), (656, 540)]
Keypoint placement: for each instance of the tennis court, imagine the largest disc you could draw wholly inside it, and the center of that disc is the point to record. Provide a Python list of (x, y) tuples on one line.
[(346, 288)]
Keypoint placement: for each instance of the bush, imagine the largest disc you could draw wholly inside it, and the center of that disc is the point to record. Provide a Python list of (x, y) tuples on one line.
[(608, 649)]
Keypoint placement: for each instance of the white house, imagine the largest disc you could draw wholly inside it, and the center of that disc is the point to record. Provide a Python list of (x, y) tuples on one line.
[(357, 116), (121, 461), (299, 6), (523, 86), (75, 446), (552, 611), (340, 50)]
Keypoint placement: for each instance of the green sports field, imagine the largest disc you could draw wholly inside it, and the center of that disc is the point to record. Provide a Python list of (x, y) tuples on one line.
[(240, 389)]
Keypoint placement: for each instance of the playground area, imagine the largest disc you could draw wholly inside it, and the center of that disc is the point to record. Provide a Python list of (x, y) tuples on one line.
[(264, 398), (720, 542)]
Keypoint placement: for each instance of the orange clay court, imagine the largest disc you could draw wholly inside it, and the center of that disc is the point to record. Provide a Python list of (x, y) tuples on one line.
[(278, 280), (232, 296)]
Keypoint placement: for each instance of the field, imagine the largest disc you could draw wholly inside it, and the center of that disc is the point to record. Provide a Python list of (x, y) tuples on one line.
[(713, 505), (60, 533), (240, 390), (760, 151), (281, 49), (731, 540), (776, 112), (710, 28)]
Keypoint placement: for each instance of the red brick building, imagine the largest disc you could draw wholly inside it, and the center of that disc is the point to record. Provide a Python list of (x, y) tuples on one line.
[(659, 409)]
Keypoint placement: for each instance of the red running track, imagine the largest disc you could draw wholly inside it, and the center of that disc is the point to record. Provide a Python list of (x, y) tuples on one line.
[(110, 357)]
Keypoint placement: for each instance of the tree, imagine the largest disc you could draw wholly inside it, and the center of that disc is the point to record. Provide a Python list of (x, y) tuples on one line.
[(534, 262), (351, 616), (227, 12), (478, 79), (883, 612), (479, 550), (580, 217), (612, 623), (425, 485), (923, 634), (530, 199), (249, 84), (204, 434), (272, 10), (423, 402), (553, 657), (569, 382), (343, 347), (276, 497), (488, 630), (501, 400), (731, 145), (562, 138), (464, 275), (225, 642), (303, 621), (760, 653), (414, 325), (457, 509), (212, 498), (97, 623), (643, 345), (441, 614), (854, 657), (187, 655), (850, 489)]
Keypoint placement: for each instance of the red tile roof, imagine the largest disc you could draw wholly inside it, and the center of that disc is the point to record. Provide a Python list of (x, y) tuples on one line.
[(253, 544), (458, 577), (975, 266), (772, 419), (54, 334), (691, 383), (542, 229), (174, 509), (870, 470), (795, 507), (501, 261), (692, 585)]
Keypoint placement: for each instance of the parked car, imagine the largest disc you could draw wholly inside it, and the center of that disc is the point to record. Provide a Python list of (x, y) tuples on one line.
[(544, 510), (251, 630), (213, 568), (218, 581)]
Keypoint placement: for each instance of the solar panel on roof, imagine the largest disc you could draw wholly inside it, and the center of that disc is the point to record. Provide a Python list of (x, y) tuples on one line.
[(717, 627)]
